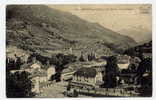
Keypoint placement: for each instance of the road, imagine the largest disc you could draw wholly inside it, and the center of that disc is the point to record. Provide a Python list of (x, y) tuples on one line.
[(55, 90)]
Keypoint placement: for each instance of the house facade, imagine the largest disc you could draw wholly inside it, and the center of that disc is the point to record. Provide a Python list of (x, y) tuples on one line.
[(89, 76), (50, 71), (123, 61)]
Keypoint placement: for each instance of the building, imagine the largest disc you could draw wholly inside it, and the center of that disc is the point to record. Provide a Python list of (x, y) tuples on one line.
[(85, 75), (36, 86), (128, 78), (30, 67), (100, 73), (71, 68), (12, 53), (67, 74), (88, 76), (123, 61), (147, 55), (38, 77), (50, 71)]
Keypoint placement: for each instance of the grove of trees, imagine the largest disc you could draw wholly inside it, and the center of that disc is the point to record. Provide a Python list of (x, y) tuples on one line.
[(19, 85)]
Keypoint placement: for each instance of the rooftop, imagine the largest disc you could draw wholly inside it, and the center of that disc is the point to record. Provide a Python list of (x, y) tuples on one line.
[(86, 72)]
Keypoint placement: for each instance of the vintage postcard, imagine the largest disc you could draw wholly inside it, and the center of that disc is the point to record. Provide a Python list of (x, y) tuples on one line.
[(79, 50)]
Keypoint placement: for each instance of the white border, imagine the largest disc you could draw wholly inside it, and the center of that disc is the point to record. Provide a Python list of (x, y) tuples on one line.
[(3, 4)]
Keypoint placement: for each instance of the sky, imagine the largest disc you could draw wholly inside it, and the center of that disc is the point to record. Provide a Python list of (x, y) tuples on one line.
[(133, 20)]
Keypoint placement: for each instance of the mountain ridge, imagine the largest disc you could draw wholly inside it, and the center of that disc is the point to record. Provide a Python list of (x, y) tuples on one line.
[(44, 28)]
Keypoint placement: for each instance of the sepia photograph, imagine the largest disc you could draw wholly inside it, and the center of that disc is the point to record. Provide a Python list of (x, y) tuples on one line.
[(79, 50)]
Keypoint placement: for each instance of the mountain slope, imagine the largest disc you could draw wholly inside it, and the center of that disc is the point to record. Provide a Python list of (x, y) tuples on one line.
[(41, 28)]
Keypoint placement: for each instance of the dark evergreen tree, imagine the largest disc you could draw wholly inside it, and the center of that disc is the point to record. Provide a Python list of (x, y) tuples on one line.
[(18, 85), (145, 67), (111, 72), (81, 58), (18, 63)]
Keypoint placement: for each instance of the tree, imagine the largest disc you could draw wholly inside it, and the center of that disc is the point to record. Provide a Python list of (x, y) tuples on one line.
[(111, 72), (18, 62), (132, 68), (145, 64), (18, 85), (60, 60), (68, 87), (145, 67), (81, 58), (75, 93)]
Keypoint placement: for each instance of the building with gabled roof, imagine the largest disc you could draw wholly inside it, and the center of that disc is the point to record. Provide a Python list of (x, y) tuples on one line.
[(88, 75)]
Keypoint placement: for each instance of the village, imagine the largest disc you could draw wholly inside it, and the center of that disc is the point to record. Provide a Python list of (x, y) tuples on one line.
[(86, 76)]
